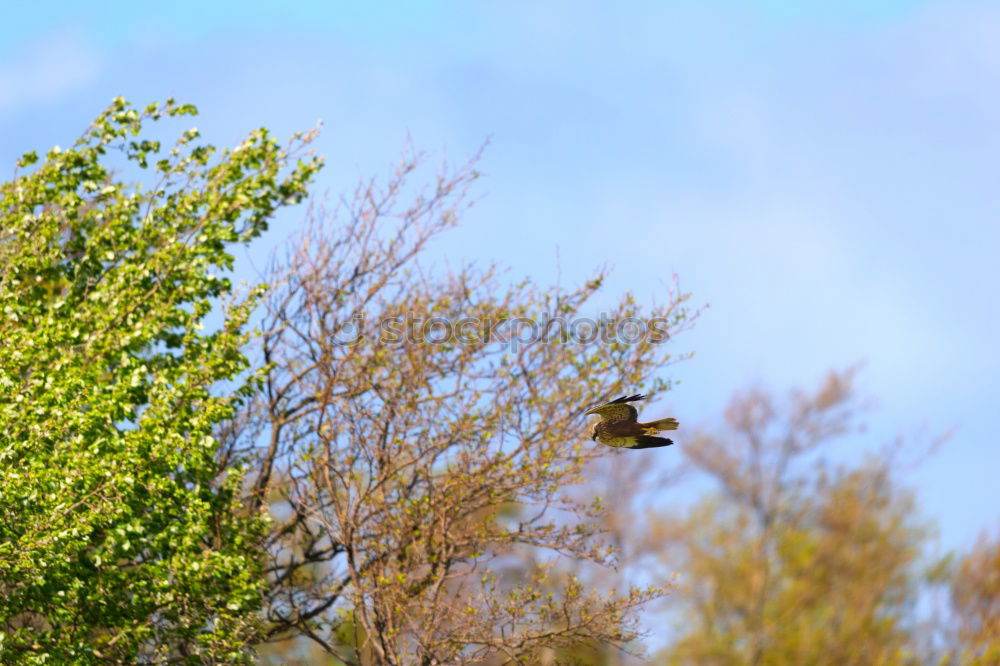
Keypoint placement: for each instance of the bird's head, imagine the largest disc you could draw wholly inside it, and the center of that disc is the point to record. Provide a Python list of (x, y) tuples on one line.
[(593, 431)]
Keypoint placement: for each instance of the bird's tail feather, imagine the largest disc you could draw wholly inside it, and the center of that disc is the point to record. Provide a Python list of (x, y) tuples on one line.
[(663, 424)]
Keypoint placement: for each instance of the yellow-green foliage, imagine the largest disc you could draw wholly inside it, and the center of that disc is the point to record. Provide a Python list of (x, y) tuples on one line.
[(120, 539), (976, 598), (796, 561)]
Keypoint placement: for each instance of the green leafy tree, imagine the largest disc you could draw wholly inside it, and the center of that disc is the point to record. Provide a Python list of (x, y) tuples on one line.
[(122, 538)]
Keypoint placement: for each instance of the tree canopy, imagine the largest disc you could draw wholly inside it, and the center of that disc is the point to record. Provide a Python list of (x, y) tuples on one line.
[(423, 427), (381, 458), (121, 538), (793, 560)]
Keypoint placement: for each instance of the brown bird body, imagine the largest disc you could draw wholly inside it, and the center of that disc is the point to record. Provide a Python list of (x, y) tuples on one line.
[(620, 427)]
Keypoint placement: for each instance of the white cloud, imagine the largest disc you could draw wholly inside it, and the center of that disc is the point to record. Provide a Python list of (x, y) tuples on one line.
[(47, 70)]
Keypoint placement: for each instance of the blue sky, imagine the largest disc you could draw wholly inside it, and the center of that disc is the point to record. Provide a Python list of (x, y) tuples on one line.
[(823, 174)]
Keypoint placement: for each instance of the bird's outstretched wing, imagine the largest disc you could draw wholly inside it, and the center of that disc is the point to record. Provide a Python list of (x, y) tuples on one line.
[(635, 442), (618, 409), (649, 442)]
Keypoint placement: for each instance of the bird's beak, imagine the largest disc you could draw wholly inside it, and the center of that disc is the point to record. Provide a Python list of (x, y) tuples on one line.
[(593, 437)]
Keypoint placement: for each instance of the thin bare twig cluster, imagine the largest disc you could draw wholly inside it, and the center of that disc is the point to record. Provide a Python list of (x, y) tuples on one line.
[(406, 475)]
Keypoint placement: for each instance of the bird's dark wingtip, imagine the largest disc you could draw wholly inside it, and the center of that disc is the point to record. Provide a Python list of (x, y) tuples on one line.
[(650, 442), (628, 398)]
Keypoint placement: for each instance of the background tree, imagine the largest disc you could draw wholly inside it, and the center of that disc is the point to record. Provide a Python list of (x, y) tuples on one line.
[(976, 602), (417, 432), (121, 540), (794, 560)]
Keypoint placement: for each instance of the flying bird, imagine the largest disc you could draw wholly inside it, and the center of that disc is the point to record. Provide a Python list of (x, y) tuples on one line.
[(619, 426)]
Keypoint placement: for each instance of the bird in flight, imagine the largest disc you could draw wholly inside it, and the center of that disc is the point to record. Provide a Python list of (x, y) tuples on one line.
[(619, 426)]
